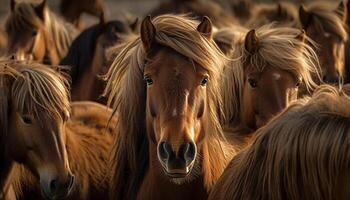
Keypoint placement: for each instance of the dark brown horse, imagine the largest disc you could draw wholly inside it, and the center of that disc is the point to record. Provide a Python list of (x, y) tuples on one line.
[(87, 58), (269, 66), (326, 26), (50, 138), (164, 87), (73, 9), (197, 9), (301, 154), (35, 33)]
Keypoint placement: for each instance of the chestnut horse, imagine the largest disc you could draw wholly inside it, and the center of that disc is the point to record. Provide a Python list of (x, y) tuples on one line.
[(197, 9), (301, 154), (326, 26), (49, 137), (87, 58), (35, 33), (73, 9), (269, 65), (164, 87)]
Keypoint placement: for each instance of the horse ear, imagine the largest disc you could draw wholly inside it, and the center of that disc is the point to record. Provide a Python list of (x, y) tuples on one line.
[(102, 18), (205, 28), (13, 4), (279, 9), (251, 43), (148, 33), (134, 24), (305, 17), (40, 9), (301, 36), (341, 11)]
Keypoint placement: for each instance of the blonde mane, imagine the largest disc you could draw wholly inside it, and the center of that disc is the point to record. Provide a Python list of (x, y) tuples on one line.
[(32, 89), (127, 92), (58, 34), (326, 20), (301, 154), (279, 48)]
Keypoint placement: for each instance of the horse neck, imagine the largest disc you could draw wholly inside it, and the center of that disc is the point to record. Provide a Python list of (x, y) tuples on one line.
[(156, 186)]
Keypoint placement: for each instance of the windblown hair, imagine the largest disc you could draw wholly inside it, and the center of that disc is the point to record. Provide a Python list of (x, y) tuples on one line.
[(32, 89), (278, 47), (325, 19), (127, 95), (302, 154), (58, 34)]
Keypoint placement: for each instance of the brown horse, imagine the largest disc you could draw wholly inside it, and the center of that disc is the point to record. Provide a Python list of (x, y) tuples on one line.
[(326, 26), (3, 42), (35, 33), (73, 9), (301, 154), (347, 47), (164, 87), (87, 58), (269, 65), (49, 137), (197, 9)]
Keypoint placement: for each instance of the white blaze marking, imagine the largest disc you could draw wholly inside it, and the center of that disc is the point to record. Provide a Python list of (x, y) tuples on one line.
[(276, 75), (174, 112)]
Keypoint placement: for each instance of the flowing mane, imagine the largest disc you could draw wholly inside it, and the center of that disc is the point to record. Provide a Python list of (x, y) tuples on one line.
[(58, 34), (325, 19), (279, 48), (27, 86), (126, 90), (302, 154)]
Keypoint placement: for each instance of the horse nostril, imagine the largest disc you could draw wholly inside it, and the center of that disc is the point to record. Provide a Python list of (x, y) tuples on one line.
[(187, 152), (164, 151), (54, 184), (69, 185)]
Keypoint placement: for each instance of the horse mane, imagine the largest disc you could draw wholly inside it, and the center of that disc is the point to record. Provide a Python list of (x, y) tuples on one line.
[(127, 96), (82, 49), (58, 34), (298, 155), (279, 47), (325, 19), (34, 89)]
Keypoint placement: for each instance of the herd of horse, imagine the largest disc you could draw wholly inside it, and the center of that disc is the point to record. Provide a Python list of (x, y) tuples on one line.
[(195, 101)]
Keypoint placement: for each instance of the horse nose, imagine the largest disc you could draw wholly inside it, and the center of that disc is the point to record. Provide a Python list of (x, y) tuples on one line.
[(187, 152), (59, 188), (165, 151), (332, 79)]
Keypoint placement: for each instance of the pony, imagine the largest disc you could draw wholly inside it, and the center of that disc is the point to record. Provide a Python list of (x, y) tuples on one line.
[(72, 10), (87, 58), (269, 66), (3, 42), (301, 154), (197, 9), (164, 86), (326, 26), (36, 33), (53, 143)]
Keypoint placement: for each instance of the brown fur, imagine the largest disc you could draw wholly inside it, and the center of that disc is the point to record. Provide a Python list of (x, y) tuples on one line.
[(301, 154)]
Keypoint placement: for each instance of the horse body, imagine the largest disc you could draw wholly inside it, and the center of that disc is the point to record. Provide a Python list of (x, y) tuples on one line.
[(35, 33), (168, 134), (301, 154)]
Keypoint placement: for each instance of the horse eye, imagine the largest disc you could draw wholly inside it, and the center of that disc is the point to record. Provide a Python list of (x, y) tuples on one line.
[(27, 120), (204, 81), (298, 84), (148, 80), (34, 32), (253, 83)]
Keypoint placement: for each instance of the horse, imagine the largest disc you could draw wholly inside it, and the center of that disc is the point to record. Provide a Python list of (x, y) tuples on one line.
[(197, 9), (164, 87), (326, 26), (55, 143), (268, 67), (87, 58), (73, 9), (347, 48), (301, 154), (3, 42), (36, 33)]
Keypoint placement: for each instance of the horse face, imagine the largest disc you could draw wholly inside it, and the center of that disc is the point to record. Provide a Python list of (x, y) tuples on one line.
[(40, 146), (176, 111), (330, 54), (266, 93)]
